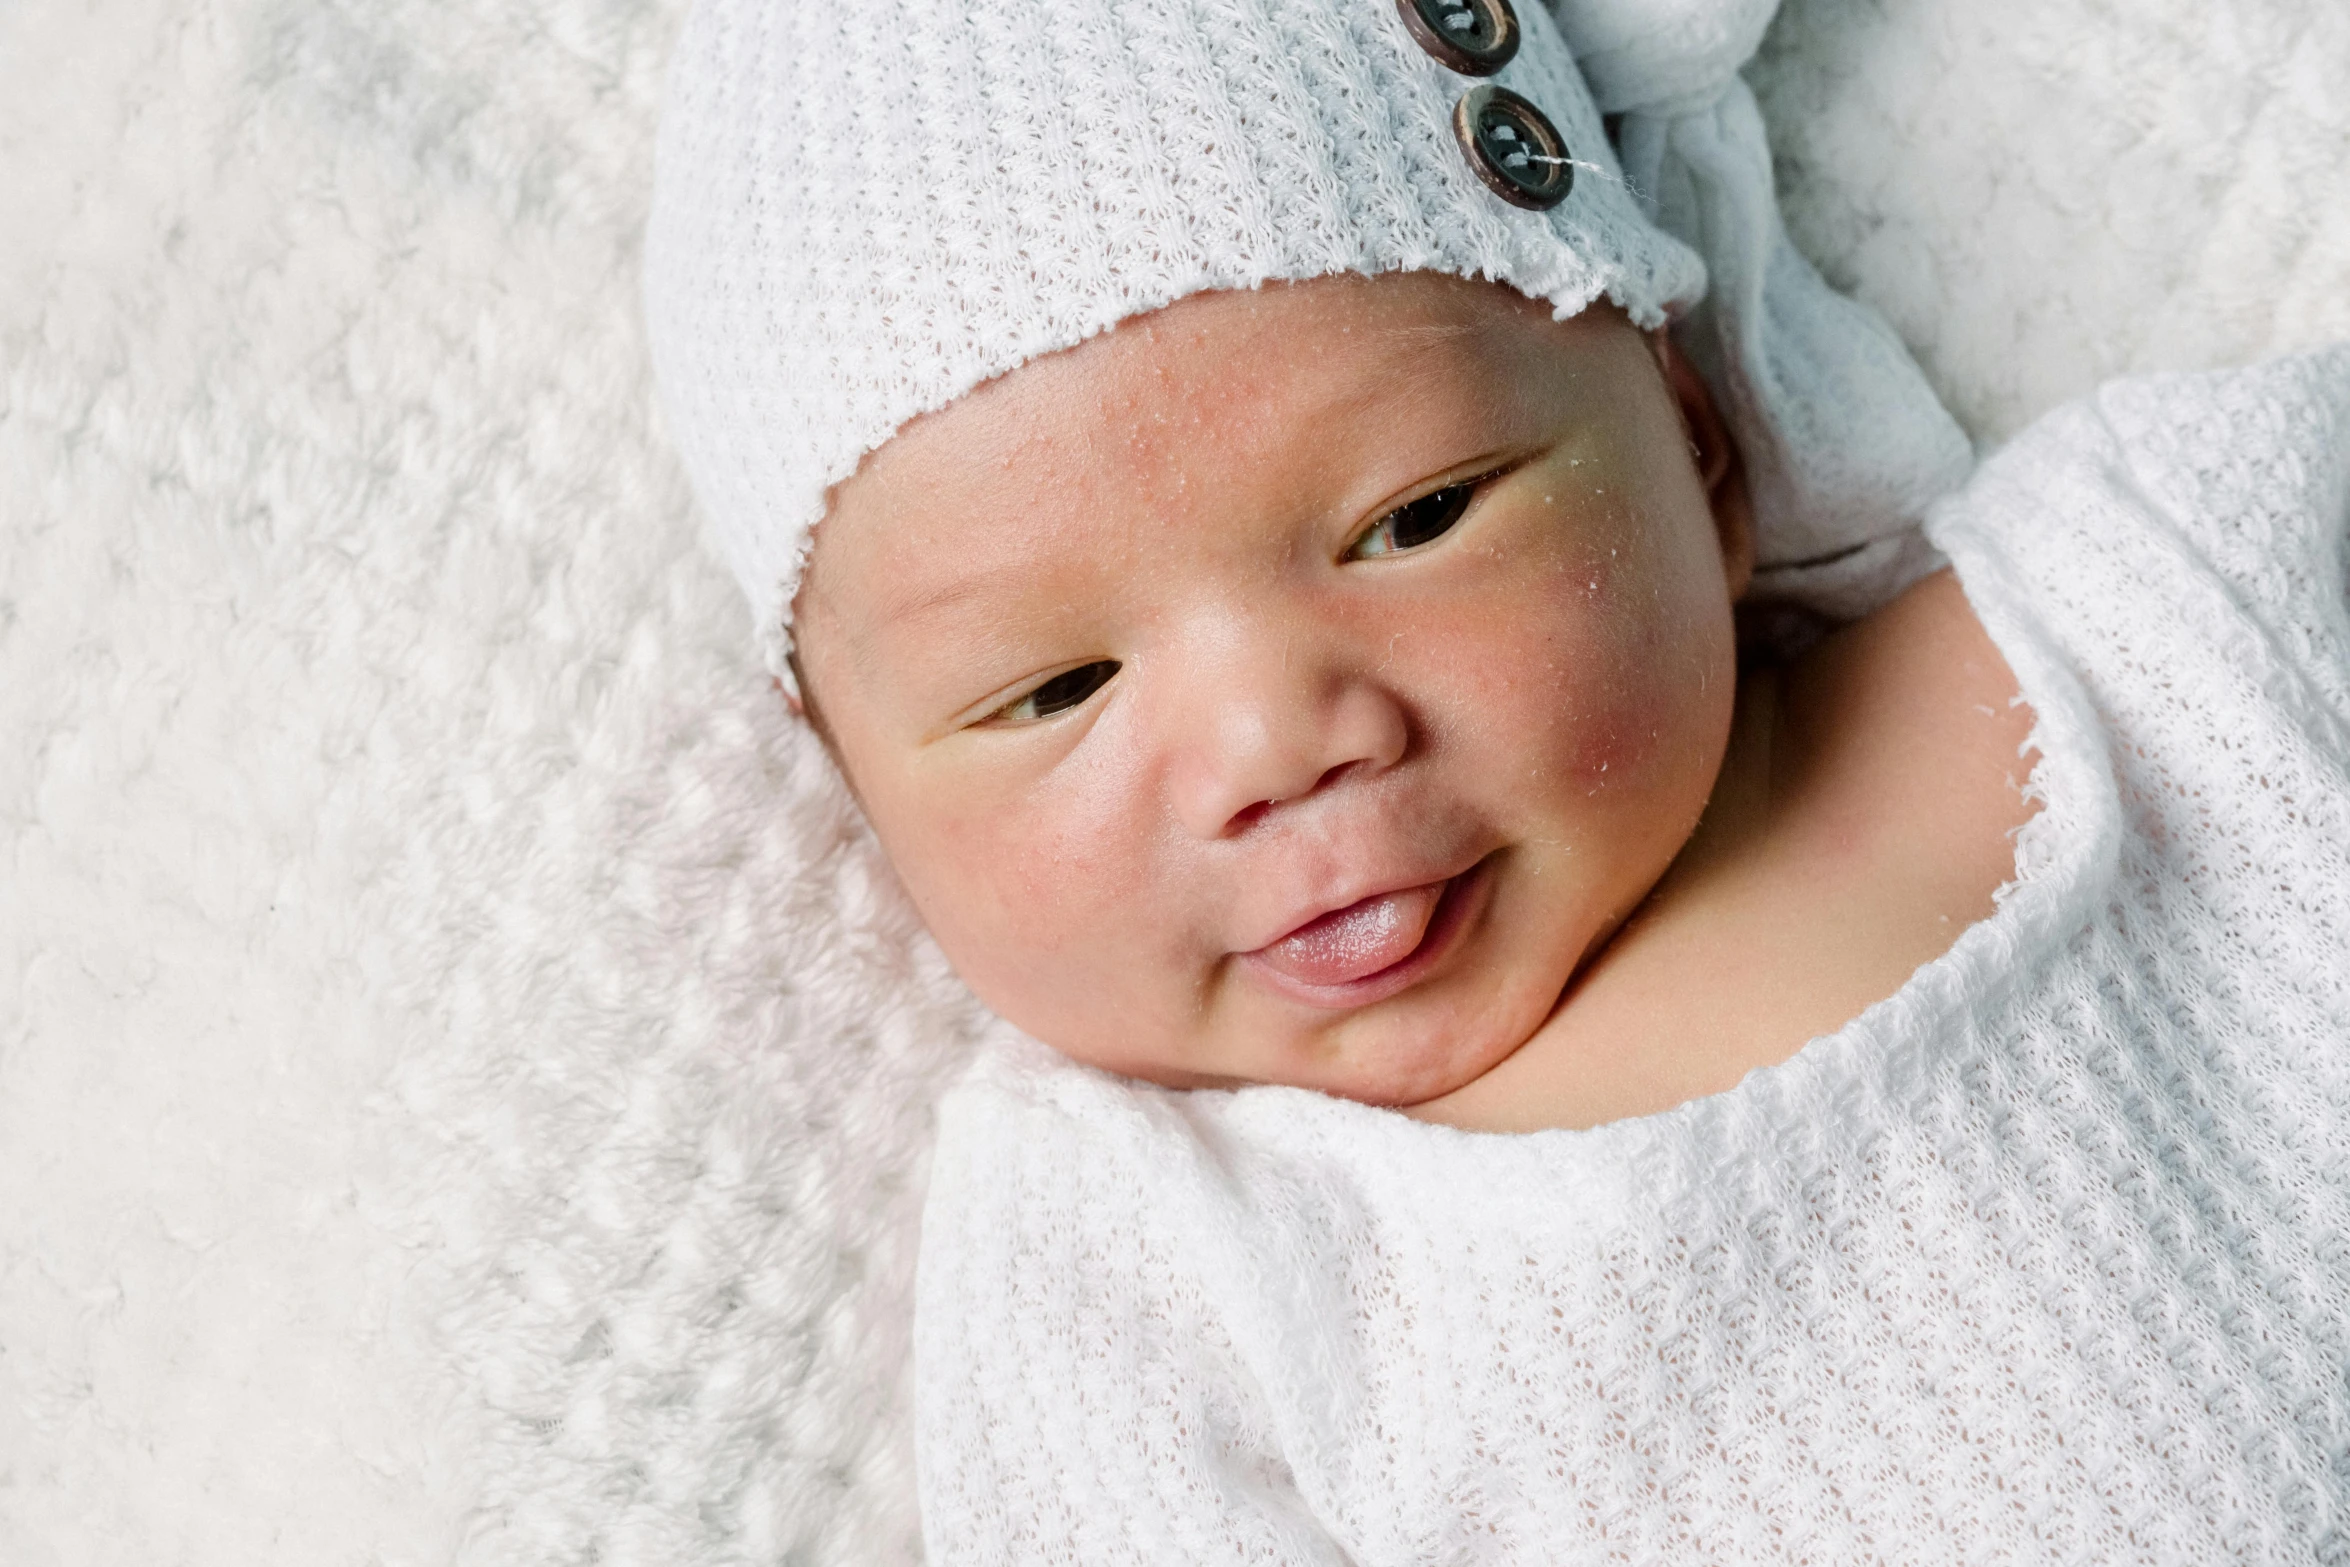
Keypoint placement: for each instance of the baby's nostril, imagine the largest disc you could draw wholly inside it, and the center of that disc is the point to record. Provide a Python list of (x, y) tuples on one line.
[(1332, 775), (1248, 816)]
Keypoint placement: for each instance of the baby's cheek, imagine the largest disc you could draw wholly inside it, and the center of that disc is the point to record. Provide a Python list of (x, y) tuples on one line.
[(1080, 926), (1577, 689), (1047, 874), (1654, 687)]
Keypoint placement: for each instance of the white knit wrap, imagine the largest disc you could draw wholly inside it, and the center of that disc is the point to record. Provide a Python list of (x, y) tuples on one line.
[(863, 211)]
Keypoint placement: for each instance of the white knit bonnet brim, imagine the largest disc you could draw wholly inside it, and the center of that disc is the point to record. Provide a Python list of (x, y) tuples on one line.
[(863, 211)]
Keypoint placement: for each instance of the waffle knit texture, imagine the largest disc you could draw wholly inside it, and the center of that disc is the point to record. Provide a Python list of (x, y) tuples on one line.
[(2046, 1257), (386, 786), (860, 214)]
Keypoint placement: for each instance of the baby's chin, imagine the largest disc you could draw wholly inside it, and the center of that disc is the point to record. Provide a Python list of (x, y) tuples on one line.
[(1482, 1003), (1397, 1055), (1393, 1054)]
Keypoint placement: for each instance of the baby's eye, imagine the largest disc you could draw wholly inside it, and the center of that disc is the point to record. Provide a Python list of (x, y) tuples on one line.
[(1414, 523), (1059, 694)]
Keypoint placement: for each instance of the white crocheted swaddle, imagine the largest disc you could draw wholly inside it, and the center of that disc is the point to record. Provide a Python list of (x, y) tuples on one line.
[(2043, 1258)]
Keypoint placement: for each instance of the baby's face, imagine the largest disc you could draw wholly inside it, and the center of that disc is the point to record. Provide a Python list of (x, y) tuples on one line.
[(1290, 686)]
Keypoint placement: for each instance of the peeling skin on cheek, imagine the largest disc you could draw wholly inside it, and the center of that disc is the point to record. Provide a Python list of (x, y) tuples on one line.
[(1650, 673), (1616, 737), (1614, 746), (1604, 731)]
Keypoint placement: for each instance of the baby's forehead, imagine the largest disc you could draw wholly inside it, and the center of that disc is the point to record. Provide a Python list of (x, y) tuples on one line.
[(1216, 378), (1285, 406)]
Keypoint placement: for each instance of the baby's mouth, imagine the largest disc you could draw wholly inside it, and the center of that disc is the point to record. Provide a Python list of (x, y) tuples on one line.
[(1378, 947), (1357, 941)]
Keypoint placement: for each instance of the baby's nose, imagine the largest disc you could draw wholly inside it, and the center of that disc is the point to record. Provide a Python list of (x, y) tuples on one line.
[(1279, 740)]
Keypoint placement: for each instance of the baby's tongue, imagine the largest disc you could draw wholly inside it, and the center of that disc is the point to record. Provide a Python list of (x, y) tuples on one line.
[(1356, 941)]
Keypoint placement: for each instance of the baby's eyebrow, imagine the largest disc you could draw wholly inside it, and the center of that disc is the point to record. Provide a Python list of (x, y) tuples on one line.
[(896, 604), (944, 596)]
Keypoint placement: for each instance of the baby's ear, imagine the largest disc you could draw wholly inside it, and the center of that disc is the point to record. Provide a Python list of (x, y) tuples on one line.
[(1716, 456)]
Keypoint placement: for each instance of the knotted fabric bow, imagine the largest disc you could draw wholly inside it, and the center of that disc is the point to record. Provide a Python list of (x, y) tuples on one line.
[(1844, 442)]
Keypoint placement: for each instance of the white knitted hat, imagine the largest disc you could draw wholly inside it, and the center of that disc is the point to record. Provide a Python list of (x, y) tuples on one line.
[(863, 210)]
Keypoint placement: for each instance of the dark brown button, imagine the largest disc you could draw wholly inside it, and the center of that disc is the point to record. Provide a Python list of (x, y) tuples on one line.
[(1474, 37), (1514, 148)]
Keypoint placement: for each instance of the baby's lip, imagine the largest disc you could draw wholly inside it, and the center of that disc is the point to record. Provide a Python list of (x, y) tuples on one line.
[(1375, 947), (1358, 940)]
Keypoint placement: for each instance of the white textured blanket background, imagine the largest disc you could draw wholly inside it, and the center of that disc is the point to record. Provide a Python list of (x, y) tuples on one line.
[(463, 1074)]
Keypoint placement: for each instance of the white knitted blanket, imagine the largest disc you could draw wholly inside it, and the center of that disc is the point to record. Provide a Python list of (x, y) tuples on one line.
[(2040, 1259), (463, 1073)]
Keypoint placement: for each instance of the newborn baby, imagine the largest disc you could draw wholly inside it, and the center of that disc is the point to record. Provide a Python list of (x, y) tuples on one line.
[(1365, 715), (1261, 499)]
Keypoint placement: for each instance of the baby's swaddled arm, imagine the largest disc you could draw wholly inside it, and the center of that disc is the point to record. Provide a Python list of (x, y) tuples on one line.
[(2235, 483), (1078, 1401)]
